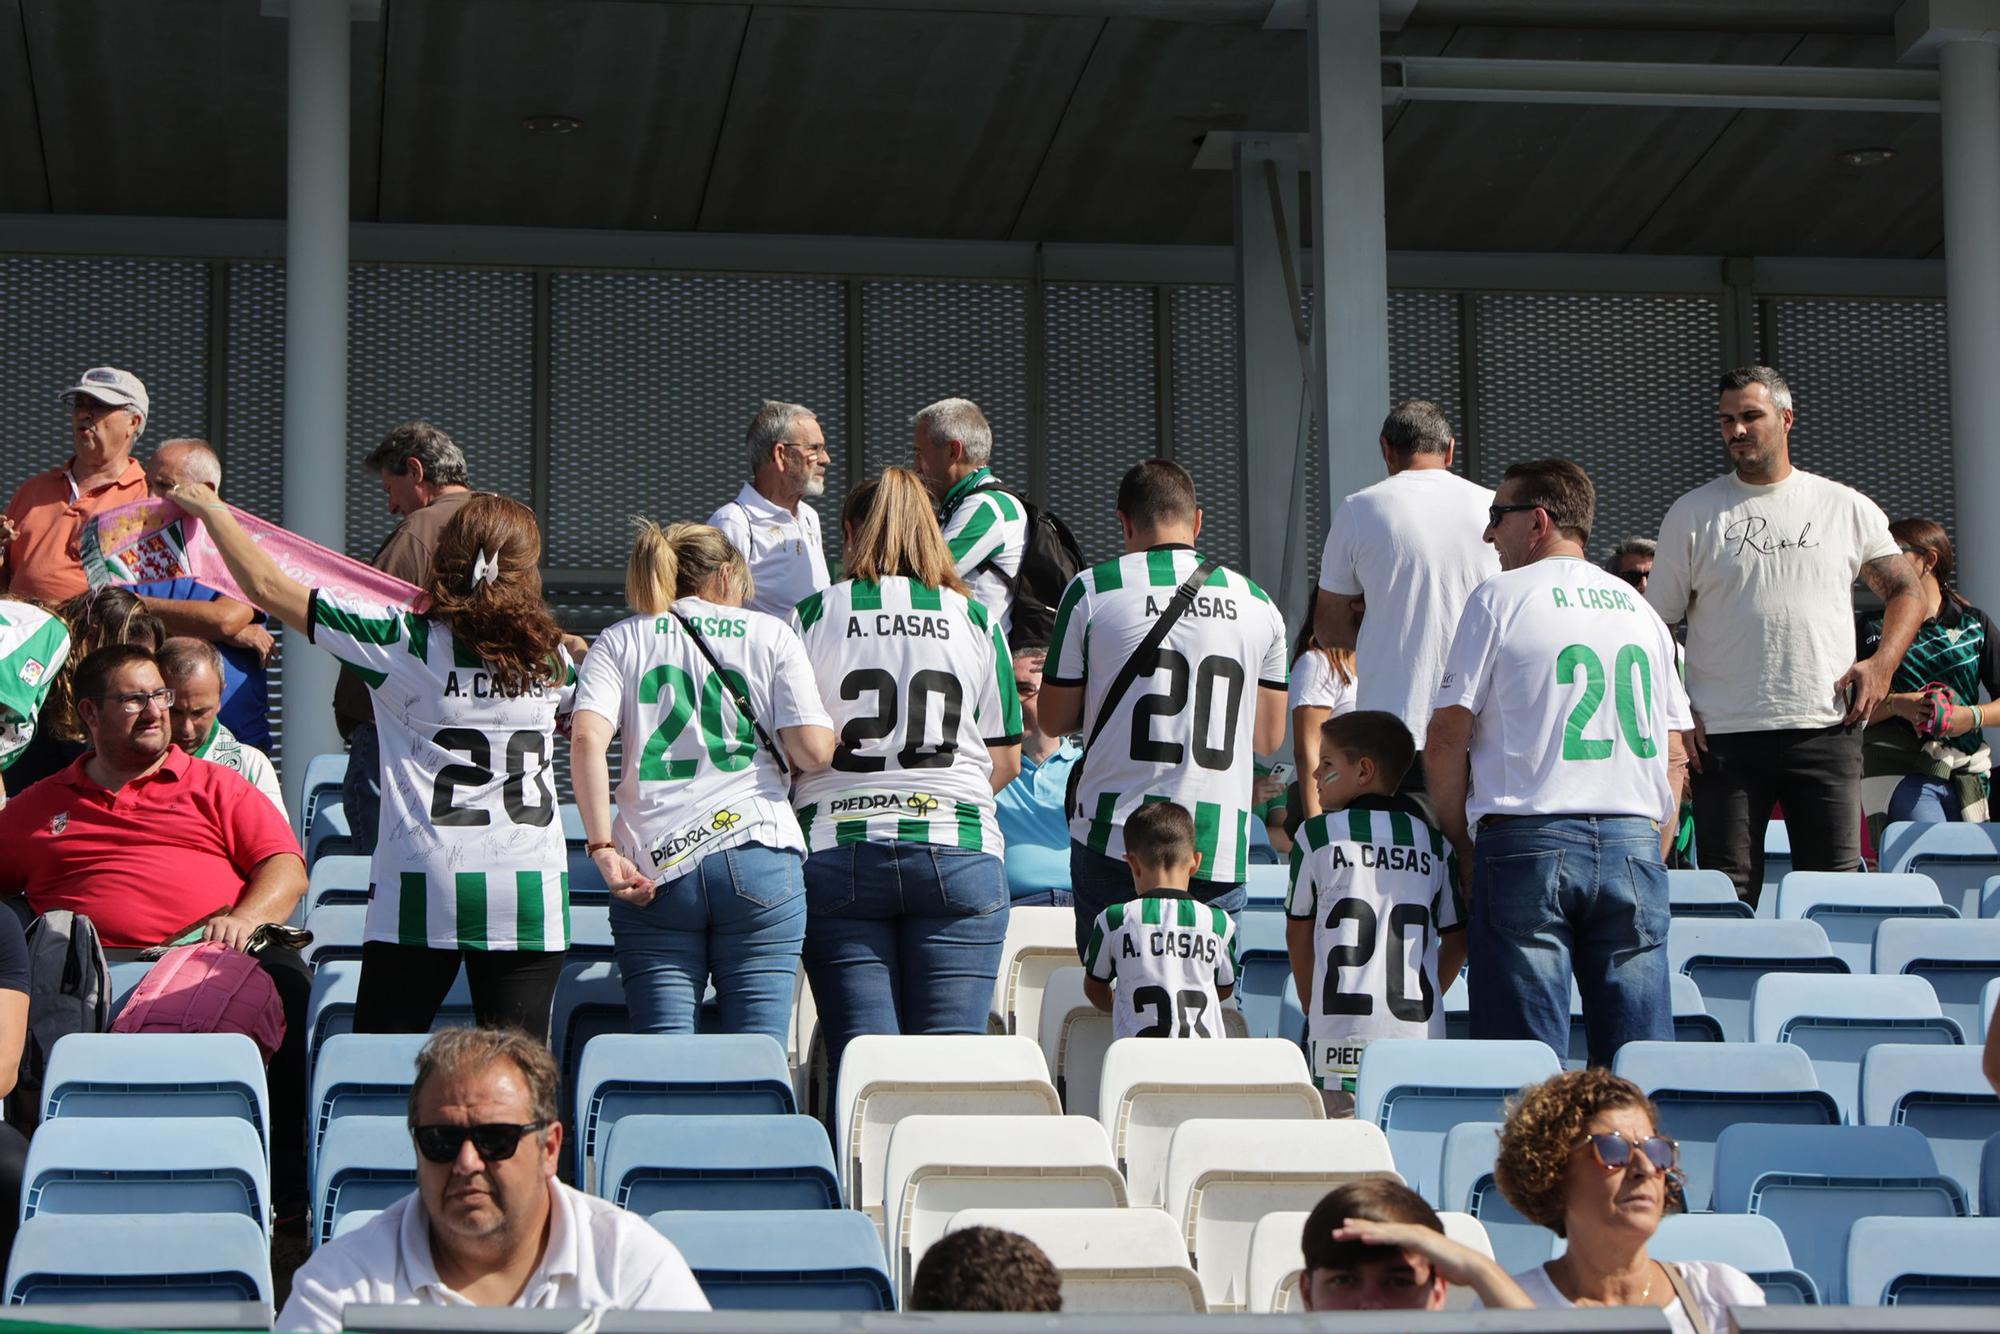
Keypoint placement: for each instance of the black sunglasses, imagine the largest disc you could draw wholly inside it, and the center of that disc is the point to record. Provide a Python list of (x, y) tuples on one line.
[(1495, 513), (1635, 577), (1615, 1150), (496, 1142)]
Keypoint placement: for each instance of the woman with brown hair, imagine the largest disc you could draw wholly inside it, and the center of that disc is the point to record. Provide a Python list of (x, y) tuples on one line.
[(97, 619), (1582, 1154), (1322, 687), (1923, 757), (470, 864), (906, 897)]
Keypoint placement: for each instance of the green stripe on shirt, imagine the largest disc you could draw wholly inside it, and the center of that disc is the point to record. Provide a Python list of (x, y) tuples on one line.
[(1103, 822), (470, 888), (1207, 837), (925, 598), (865, 595), (977, 527), (811, 610), (1160, 569), (969, 834), (1360, 825), (1400, 832), (530, 918), (413, 909)]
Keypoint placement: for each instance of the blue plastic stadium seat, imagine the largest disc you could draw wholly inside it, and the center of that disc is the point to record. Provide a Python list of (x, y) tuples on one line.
[(803, 1260), (658, 1164), (329, 832), (336, 930), (1958, 959), (1895, 837), (1777, 865), (590, 933), (1989, 897), (586, 882), (1959, 857), (1692, 1021), (66, 1259), (1837, 1019), (590, 999), (1851, 904), (1814, 1181), (1989, 1001), (338, 878), (173, 1165), (1942, 1092), (1263, 972), (336, 989), (360, 1074), (1465, 1185), (1704, 894), (1268, 886), (1924, 1262), (1261, 852), (1417, 1090), (699, 1074), (156, 1075), (571, 816), (1703, 1090), (1989, 1177), (1725, 958), (324, 775), (365, 1163), (1754, 1245), (125, 979)]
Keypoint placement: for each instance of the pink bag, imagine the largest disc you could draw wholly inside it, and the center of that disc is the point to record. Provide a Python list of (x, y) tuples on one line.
[(206, 988)]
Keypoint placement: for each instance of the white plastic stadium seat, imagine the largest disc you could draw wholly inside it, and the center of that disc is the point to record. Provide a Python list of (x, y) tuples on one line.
[(1151, 1085), (1039, 941), (1276, 1261), (939, 1165), (885, 1078), (1074, 1037), (1222, 1176), (1125, 1262)]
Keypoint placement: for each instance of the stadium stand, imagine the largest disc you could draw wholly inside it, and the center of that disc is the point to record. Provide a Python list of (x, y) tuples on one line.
[(1837, 1020), (1123, 1262), (1039, 941), (667, 1164), (64, 1259), (1958, 857), (165, 1165), (365, 1164), (1924, 1262), (1418, 1090), (1752, 1243), (1850, 905), (1692, 893), (701, 1074), (1465, 1185), (1725, 958), (783, 1260), (1942, 1092), (153, 1075), (1958, 958)]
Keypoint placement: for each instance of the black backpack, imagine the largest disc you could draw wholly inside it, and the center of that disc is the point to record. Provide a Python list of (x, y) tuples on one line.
[(1050, 559), (69, 991)]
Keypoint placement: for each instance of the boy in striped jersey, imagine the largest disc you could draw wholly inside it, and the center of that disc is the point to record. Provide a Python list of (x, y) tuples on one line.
[(1376, 929), (1174, 959)]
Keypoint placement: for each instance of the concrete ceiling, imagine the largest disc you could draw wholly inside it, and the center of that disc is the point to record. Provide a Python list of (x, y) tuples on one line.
[(1055, 120)]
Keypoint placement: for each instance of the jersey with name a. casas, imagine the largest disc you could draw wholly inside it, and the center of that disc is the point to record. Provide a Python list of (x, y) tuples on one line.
[(1380, 886), (1166, 958), (470, 853), (1569, 675), (918, 683), (33, 647), (986, 528), (695, 778), (1185, 730)]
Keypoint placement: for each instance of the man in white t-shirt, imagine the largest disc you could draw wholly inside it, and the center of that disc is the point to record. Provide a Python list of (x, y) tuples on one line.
[(769, 521), (985, 524), (1560, 688), (1762, 563), (1408, 550)]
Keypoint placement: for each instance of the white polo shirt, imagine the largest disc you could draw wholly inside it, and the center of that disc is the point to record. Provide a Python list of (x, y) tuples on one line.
[(598, 1255), (783, 549)]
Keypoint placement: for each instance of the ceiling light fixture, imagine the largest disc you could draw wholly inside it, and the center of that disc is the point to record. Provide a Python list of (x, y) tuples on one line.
[(1866, 157), (552, 125)]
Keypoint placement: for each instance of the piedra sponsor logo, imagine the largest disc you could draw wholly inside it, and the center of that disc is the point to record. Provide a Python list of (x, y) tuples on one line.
[(684, 844), (919, 804)]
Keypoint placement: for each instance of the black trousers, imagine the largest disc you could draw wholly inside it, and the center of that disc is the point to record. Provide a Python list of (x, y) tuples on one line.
[(1815, 773), (286, 1080), (403, 985)]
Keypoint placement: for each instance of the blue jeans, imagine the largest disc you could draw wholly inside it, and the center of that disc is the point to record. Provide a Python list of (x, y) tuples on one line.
[(1926, 800), (1556, 894), (739, 916), (1097, 882), (361, 787), (902, 938)]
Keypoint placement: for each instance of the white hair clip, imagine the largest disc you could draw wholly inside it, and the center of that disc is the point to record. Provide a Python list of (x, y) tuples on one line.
[(485, 568)]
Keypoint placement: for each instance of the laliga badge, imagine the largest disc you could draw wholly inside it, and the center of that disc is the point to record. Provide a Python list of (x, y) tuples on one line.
[(31, 672), (58, 822)]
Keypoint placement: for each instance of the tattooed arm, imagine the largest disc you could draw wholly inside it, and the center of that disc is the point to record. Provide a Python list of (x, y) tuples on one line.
[(1892, 580)]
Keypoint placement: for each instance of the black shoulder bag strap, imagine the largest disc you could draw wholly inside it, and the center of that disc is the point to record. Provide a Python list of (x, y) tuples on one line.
[(1128, 672), (742, 700)]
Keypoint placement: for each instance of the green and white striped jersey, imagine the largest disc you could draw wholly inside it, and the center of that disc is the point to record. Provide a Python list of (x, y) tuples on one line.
[(221, 747), (1167, 958), (1380, 886), (918, 683), (471, 852), (987, 531), (1183, 732), (33, 647)]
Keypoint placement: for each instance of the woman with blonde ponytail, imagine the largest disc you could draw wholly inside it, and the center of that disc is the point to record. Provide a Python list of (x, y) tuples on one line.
[(716, 703)]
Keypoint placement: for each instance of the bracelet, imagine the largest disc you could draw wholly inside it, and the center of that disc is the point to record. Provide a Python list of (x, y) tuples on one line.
[(592, 849)]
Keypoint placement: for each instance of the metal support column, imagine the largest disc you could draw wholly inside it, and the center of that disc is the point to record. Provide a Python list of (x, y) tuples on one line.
[(1350, 255), (1970, 97), (1276, 410), (315, 448)]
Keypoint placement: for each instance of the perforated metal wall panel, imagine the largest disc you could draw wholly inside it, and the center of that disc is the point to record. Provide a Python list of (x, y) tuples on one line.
[(1423, 355), (654, 380), (1621, 384), (253, 422), (454, 347), (1103, 415), (923, 341), (1869, 384), (1208, 415), (586, 612)]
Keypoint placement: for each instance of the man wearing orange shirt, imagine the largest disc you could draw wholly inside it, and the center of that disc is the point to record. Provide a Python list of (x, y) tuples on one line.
[(41, 530)]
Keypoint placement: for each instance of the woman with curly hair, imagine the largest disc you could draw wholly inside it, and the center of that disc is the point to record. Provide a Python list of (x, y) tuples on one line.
[(470, 865), (1582, 1154)]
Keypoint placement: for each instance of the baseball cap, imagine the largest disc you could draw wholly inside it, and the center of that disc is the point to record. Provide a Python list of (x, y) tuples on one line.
[(109, 385)]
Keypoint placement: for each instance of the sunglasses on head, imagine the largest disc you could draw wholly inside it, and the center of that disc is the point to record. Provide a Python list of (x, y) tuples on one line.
[(496, 1142), (1615, 1150)]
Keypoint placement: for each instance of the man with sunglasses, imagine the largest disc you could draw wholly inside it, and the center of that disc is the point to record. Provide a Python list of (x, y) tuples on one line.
[(489, 1224), (1633, 561), (769, 521)]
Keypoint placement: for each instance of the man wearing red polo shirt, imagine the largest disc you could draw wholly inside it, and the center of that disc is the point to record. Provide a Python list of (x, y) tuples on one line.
[(151, 845), (40, 556)]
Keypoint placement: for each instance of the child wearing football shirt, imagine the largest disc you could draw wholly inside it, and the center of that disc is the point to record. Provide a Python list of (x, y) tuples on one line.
[(1173, 958), (1376, 929)]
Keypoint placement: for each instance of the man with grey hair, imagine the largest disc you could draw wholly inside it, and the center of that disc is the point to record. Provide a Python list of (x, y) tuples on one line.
[(1632, 561), (1762, 563), (1409, 550), (424, 474), (192, 669), (489, 1224), (108, 408), (769, 521), (984, 524)]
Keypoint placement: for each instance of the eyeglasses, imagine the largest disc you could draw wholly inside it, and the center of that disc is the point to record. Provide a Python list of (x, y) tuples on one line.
[(495, 1142), (810, 451), (1495, 513), (136, 703), (1615, 1150), (1636, 578)]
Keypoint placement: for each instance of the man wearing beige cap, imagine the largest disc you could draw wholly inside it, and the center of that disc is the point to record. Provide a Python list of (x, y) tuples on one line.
[(43, 524)]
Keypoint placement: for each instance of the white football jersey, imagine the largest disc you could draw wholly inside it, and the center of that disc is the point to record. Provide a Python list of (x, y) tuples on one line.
[(1183, 731), (1316, 686), (1166, 957), (470, 854), (918, 683), (1570, 678), (1380, 887), (695, 778), (987, 530), (224, 749)]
